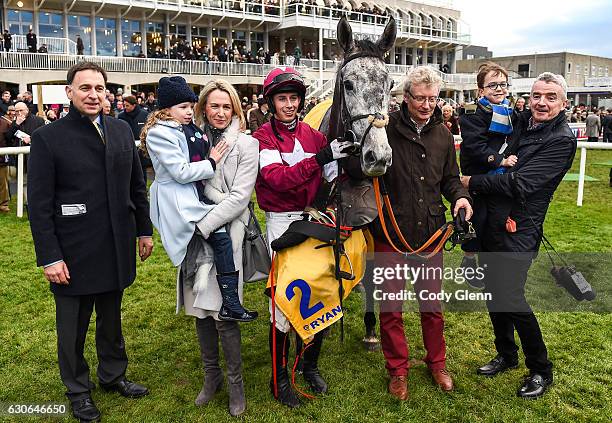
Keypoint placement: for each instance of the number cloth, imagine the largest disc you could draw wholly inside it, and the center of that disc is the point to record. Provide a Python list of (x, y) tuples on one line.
[(307, 291)]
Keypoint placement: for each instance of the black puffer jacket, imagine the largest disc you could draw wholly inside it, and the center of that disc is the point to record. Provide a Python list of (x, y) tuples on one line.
[(479, 146), (136, 119), (545, 154)]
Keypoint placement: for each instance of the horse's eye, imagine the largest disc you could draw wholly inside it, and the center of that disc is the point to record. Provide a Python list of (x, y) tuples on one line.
[(348, 85)]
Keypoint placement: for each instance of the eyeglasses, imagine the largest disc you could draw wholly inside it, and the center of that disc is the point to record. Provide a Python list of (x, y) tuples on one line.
[(493, 85), (422, 99)]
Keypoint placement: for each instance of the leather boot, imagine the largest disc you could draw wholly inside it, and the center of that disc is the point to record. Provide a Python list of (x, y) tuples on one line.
[(284, 392), (229, 332), (311, 369), (299, 344), (209, 348), (231, 309)]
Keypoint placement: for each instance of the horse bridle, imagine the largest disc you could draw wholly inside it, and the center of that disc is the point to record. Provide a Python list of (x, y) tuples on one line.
[(376, 119)]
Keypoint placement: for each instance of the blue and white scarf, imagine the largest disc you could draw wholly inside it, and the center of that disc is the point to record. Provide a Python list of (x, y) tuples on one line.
[(500, 122)]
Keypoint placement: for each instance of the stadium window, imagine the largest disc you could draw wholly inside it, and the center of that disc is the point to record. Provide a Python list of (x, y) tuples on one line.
[(155, 38), (177, 32), (131, 37), (239, 39), (219, 38), (569, 67), (606, 74), (593, 70), (80, 25), (19, 21), (523, 70), (50, 25), (199, 37), (257, 41), (106, 38), (600, 71), (577, 69)]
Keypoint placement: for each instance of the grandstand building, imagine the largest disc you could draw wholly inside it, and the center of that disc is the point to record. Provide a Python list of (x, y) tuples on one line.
[(140, 41)]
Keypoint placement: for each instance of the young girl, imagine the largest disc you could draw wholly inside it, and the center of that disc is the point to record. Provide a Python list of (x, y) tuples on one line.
[(183, 160), (486, 128)]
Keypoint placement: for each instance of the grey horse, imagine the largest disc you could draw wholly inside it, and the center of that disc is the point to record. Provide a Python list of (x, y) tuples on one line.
[(359, 113)]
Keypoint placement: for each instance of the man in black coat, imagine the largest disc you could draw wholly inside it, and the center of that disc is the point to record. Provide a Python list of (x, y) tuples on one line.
[(31, 41), (517, 202), (5, 102), (88, 204), (136, 117), (606, 124), (24, 125), (8, 40)]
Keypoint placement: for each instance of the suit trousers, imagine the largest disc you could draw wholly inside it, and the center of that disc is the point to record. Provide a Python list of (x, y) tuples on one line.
[(72, 316), (392, 335), (4, 188), (505, 280)]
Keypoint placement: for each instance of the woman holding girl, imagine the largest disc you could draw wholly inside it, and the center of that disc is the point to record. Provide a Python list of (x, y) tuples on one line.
[(204, 178)]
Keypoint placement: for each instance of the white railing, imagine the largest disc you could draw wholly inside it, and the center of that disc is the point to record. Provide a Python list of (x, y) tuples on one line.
[(314, 63), (324, 89), (20, 152), (36, 61), (405, 29), (584, 146), (253, 8), (54, 44)]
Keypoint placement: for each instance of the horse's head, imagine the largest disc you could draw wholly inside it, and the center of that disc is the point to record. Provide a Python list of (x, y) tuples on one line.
[(362, 91)]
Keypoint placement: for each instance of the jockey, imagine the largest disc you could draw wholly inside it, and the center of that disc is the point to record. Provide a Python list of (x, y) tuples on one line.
[(293, 157)]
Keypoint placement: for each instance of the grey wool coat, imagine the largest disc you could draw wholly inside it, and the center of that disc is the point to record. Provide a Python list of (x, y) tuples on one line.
[(230, 189)]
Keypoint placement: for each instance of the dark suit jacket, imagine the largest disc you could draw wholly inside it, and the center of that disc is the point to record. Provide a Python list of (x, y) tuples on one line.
[(69, 164)]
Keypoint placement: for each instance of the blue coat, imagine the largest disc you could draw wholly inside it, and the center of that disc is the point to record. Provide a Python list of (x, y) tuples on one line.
[(175, 206)]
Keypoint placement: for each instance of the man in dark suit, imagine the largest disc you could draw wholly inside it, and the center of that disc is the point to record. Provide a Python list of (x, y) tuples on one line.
[(87, 206), (136, 117), (31, 41)]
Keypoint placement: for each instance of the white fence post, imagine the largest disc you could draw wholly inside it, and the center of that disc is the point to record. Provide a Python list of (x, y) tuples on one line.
[(583, 154), (20, 185)]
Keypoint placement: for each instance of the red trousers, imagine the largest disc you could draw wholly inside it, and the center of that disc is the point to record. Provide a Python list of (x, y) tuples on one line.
[(393, 338)]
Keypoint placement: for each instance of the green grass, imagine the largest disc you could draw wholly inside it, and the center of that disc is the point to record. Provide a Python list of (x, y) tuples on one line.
[(164, 353)]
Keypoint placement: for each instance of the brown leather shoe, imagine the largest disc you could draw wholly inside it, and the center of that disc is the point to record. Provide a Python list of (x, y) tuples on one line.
[(443, 379), (5, 209), (398, 387)]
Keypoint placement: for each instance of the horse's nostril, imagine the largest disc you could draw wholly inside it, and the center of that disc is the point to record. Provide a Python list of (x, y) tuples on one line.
[(369, 158)]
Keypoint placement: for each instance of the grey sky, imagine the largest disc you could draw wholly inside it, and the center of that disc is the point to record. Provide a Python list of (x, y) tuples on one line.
[(543, 26)]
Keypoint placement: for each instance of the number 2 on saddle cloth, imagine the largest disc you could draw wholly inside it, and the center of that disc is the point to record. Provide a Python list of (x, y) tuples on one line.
[(304, 282)]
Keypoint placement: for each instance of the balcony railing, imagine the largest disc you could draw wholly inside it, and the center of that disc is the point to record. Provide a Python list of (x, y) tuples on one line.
[(406, 29), (38, 61), (54, 44)]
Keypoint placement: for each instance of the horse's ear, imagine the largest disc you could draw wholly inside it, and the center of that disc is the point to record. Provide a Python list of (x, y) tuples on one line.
[(387, 39), (345, 35)]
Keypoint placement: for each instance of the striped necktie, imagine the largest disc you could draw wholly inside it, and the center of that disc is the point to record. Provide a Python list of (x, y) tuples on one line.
[(99, 129)]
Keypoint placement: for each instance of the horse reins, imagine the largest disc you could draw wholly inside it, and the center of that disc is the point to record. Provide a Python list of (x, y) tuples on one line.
[(443, 233), (380, 120)]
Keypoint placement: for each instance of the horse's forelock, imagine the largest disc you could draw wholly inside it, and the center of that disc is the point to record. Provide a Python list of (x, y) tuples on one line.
[(367, 47)]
